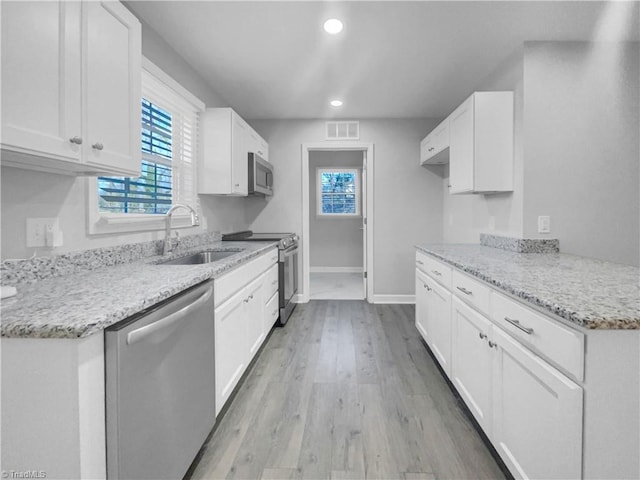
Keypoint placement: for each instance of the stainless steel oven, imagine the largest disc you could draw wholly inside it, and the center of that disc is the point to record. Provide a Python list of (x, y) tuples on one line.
[(287, 265)]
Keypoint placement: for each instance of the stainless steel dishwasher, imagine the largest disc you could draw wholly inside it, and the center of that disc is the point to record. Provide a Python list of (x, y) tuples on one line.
[(160, 387)]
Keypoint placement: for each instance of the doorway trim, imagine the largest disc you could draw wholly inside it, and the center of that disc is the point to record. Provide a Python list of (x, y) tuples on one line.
[(367, 149)]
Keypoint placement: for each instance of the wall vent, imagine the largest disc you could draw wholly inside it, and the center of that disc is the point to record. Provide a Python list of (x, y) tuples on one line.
[(343, 130)]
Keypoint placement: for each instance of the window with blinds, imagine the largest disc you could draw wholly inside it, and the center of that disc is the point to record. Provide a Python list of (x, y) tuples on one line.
[(338, 192), (169, 142)]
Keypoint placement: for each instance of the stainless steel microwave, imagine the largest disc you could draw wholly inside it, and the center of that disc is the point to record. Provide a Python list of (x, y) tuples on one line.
[(260, 175)]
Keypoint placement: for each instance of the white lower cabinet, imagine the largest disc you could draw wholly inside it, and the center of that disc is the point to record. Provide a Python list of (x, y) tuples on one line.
[(472, 361), (537, 425), (422, 298), (439, 323), (231, 328), (530, 410), (239, 318), (254, 311)]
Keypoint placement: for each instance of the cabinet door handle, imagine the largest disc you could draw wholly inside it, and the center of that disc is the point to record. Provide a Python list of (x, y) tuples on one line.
[(516, 323), (493, 344), (76, 140), (419, 262), (427, 287), (465, 291), (435, 272), (236, 185), (482, 335), (97, 146)]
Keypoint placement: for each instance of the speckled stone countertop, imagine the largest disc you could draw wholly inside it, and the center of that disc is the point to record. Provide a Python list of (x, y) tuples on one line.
[(591, 293), (79, 305)]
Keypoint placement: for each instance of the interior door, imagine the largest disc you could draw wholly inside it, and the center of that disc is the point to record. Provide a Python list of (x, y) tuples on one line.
[(363, 196)]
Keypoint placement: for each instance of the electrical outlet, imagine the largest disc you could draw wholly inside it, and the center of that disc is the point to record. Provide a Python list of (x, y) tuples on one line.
[(43, 232), (544, 224)]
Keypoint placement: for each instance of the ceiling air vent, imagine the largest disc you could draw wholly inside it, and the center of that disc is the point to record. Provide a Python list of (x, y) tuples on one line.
[(343, 130)]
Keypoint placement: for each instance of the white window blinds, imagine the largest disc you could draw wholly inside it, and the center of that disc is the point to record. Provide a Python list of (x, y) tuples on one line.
[(169, 143)]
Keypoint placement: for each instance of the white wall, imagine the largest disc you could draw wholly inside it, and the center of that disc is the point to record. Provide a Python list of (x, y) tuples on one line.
[(334, 241), (576, 154), (407, 197), (29, 194), (582, 146), (466, 216)]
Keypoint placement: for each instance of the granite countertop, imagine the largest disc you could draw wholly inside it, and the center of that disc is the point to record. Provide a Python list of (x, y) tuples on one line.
[(590, 293), (79, 305)]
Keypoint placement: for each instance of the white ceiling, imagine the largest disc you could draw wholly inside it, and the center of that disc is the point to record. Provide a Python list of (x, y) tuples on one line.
[(393, 59)]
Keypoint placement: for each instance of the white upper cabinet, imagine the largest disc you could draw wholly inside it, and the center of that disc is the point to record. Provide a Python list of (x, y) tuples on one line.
[(71, 87), (434, 148), (112, 78), (227, 140), (481, 144)]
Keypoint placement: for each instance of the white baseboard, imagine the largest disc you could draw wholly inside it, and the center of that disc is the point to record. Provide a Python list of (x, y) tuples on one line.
[(335, 269), (410, 299)]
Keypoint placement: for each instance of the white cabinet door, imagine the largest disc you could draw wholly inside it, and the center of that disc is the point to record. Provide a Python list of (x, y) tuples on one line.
[(439, 324), (537, 414), (254, 310), (240, 142), (41, 89), (112, 78), (422, 303), (271, 310), (71, 87), (471, 361), (433, 148), (461, 150), (231, 346), (481, 144)]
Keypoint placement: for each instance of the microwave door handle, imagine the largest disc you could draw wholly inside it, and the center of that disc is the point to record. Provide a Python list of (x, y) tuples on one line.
[(269, 179)]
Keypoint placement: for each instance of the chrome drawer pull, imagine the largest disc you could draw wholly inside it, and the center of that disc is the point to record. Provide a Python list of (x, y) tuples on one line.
[(436, 272), (482, 335), (516, 323), (492, 344), (76, 140), (97, 146), (465, 291)]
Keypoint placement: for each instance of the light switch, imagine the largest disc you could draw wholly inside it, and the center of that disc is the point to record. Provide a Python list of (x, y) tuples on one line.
[(544, 224)]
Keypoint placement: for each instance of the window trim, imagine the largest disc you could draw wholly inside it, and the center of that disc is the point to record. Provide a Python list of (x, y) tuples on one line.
[(100, 223), (319, 172)]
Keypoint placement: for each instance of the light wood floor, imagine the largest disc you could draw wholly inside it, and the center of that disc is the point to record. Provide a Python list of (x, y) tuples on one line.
[(346, 390), (336, 286)]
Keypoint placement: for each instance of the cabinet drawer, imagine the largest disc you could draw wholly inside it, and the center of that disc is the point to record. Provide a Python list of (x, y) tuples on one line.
[(436, 269), (471, 291), (231, 282), (271, 282), (271, 312), (558, 343)]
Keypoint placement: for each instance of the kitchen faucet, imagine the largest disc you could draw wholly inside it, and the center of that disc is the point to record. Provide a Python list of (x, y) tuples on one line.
[(166, 247)]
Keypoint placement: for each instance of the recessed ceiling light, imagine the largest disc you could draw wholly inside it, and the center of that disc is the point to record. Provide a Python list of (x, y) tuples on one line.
[(336, 103), (333, 26)]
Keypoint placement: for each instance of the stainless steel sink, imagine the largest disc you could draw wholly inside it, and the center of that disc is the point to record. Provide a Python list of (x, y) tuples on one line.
[(208, 256)]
